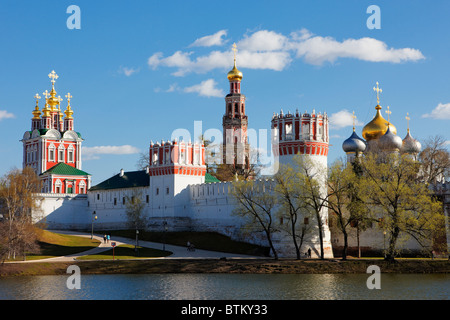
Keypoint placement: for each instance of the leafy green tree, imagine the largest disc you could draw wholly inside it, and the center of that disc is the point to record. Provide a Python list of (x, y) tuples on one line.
[(405, 204)]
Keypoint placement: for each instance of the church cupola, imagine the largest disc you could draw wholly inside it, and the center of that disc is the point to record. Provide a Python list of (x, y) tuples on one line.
[(410, 145), (68, 120), (378, 126), (46, 117), (36, 120), (235, 76)]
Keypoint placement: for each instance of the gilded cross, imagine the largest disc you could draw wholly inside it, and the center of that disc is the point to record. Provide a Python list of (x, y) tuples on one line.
[(46, 94), (388, 113), (234, 50), (52, 75), (378, 90), (407, 119), (68, 96), (37, 97), (60, 99), (354, 120)]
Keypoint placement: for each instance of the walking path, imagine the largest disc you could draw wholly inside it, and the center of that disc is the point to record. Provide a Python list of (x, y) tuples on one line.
[(179, 252)]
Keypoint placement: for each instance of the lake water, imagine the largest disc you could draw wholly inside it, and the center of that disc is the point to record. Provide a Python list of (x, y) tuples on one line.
[(228, 287)]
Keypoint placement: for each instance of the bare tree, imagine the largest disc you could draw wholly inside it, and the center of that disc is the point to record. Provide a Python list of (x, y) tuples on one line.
[(291, 205), (135, 205), (435, 160), (256, 203), (17, 203), (311, 184)]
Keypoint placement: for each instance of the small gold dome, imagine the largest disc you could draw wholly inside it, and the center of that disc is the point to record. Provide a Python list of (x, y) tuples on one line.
[(68, 112), (234, 74), (36, 113), (377, 127)]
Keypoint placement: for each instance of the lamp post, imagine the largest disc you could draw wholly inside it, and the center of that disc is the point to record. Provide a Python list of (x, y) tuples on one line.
[(94, 217), (136, 246), (164, 235), (384, 239)]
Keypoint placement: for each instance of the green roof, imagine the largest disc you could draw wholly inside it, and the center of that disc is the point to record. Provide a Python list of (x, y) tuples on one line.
[(130, 179), (65, 169), (210, 178)]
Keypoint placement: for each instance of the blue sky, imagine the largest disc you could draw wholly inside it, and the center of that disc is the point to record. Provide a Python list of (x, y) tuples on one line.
[(138, 70)]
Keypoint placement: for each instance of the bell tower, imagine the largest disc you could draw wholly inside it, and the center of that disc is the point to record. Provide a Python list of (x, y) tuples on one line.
[(235, 122)]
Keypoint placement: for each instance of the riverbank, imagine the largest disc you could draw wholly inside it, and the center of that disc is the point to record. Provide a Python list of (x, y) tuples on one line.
[(255, 266)]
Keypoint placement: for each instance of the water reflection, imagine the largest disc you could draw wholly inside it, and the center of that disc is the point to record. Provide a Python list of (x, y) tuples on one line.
[(227, 287)]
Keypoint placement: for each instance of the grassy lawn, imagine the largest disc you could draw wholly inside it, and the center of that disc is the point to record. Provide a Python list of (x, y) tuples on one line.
[(202, 240), (55, 245), (125, 252)]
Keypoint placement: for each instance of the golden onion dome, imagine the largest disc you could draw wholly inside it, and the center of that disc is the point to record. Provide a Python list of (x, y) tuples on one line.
[(36, 113), (53, 100), (68, 112), (46, 111), (377, 127), (234, 74)]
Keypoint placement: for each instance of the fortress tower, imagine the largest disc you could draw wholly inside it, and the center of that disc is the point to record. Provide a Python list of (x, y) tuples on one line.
[(173, 166), (305, 134)]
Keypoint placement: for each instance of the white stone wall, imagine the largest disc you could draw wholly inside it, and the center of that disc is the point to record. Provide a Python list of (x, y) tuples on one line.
[(62, 211)]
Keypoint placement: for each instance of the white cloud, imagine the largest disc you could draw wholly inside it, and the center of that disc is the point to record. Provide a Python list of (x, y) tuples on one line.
[(128, 71), (92, 153), (263, 40), (266, 49), (6, 115), (342, 119), (442, 112), (211, 40), (317, 50), (173, 87), (206, 88)]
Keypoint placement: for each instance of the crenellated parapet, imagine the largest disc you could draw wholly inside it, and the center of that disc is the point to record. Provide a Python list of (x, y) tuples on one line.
[(304, 133), (177, 157)]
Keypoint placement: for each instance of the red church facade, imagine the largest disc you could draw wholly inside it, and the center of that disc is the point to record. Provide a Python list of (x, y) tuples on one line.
[(52, 147)]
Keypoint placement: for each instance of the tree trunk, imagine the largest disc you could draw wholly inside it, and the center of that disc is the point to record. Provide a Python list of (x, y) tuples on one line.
[(294, 238), (357, 239), (269, 238), (345, 250), (390, 255)]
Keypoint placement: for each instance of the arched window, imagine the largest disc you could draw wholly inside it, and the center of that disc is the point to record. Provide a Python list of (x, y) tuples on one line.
[(236, 108), (70, 157), (61, 150), (155, 158), (82, 187), (58, 186), (51, 153)]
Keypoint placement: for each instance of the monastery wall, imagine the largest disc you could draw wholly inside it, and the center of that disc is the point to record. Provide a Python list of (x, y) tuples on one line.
[(62, 211)]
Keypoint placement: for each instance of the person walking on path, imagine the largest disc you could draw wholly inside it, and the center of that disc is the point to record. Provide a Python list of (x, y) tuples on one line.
[(104, 238), (108, 238)]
